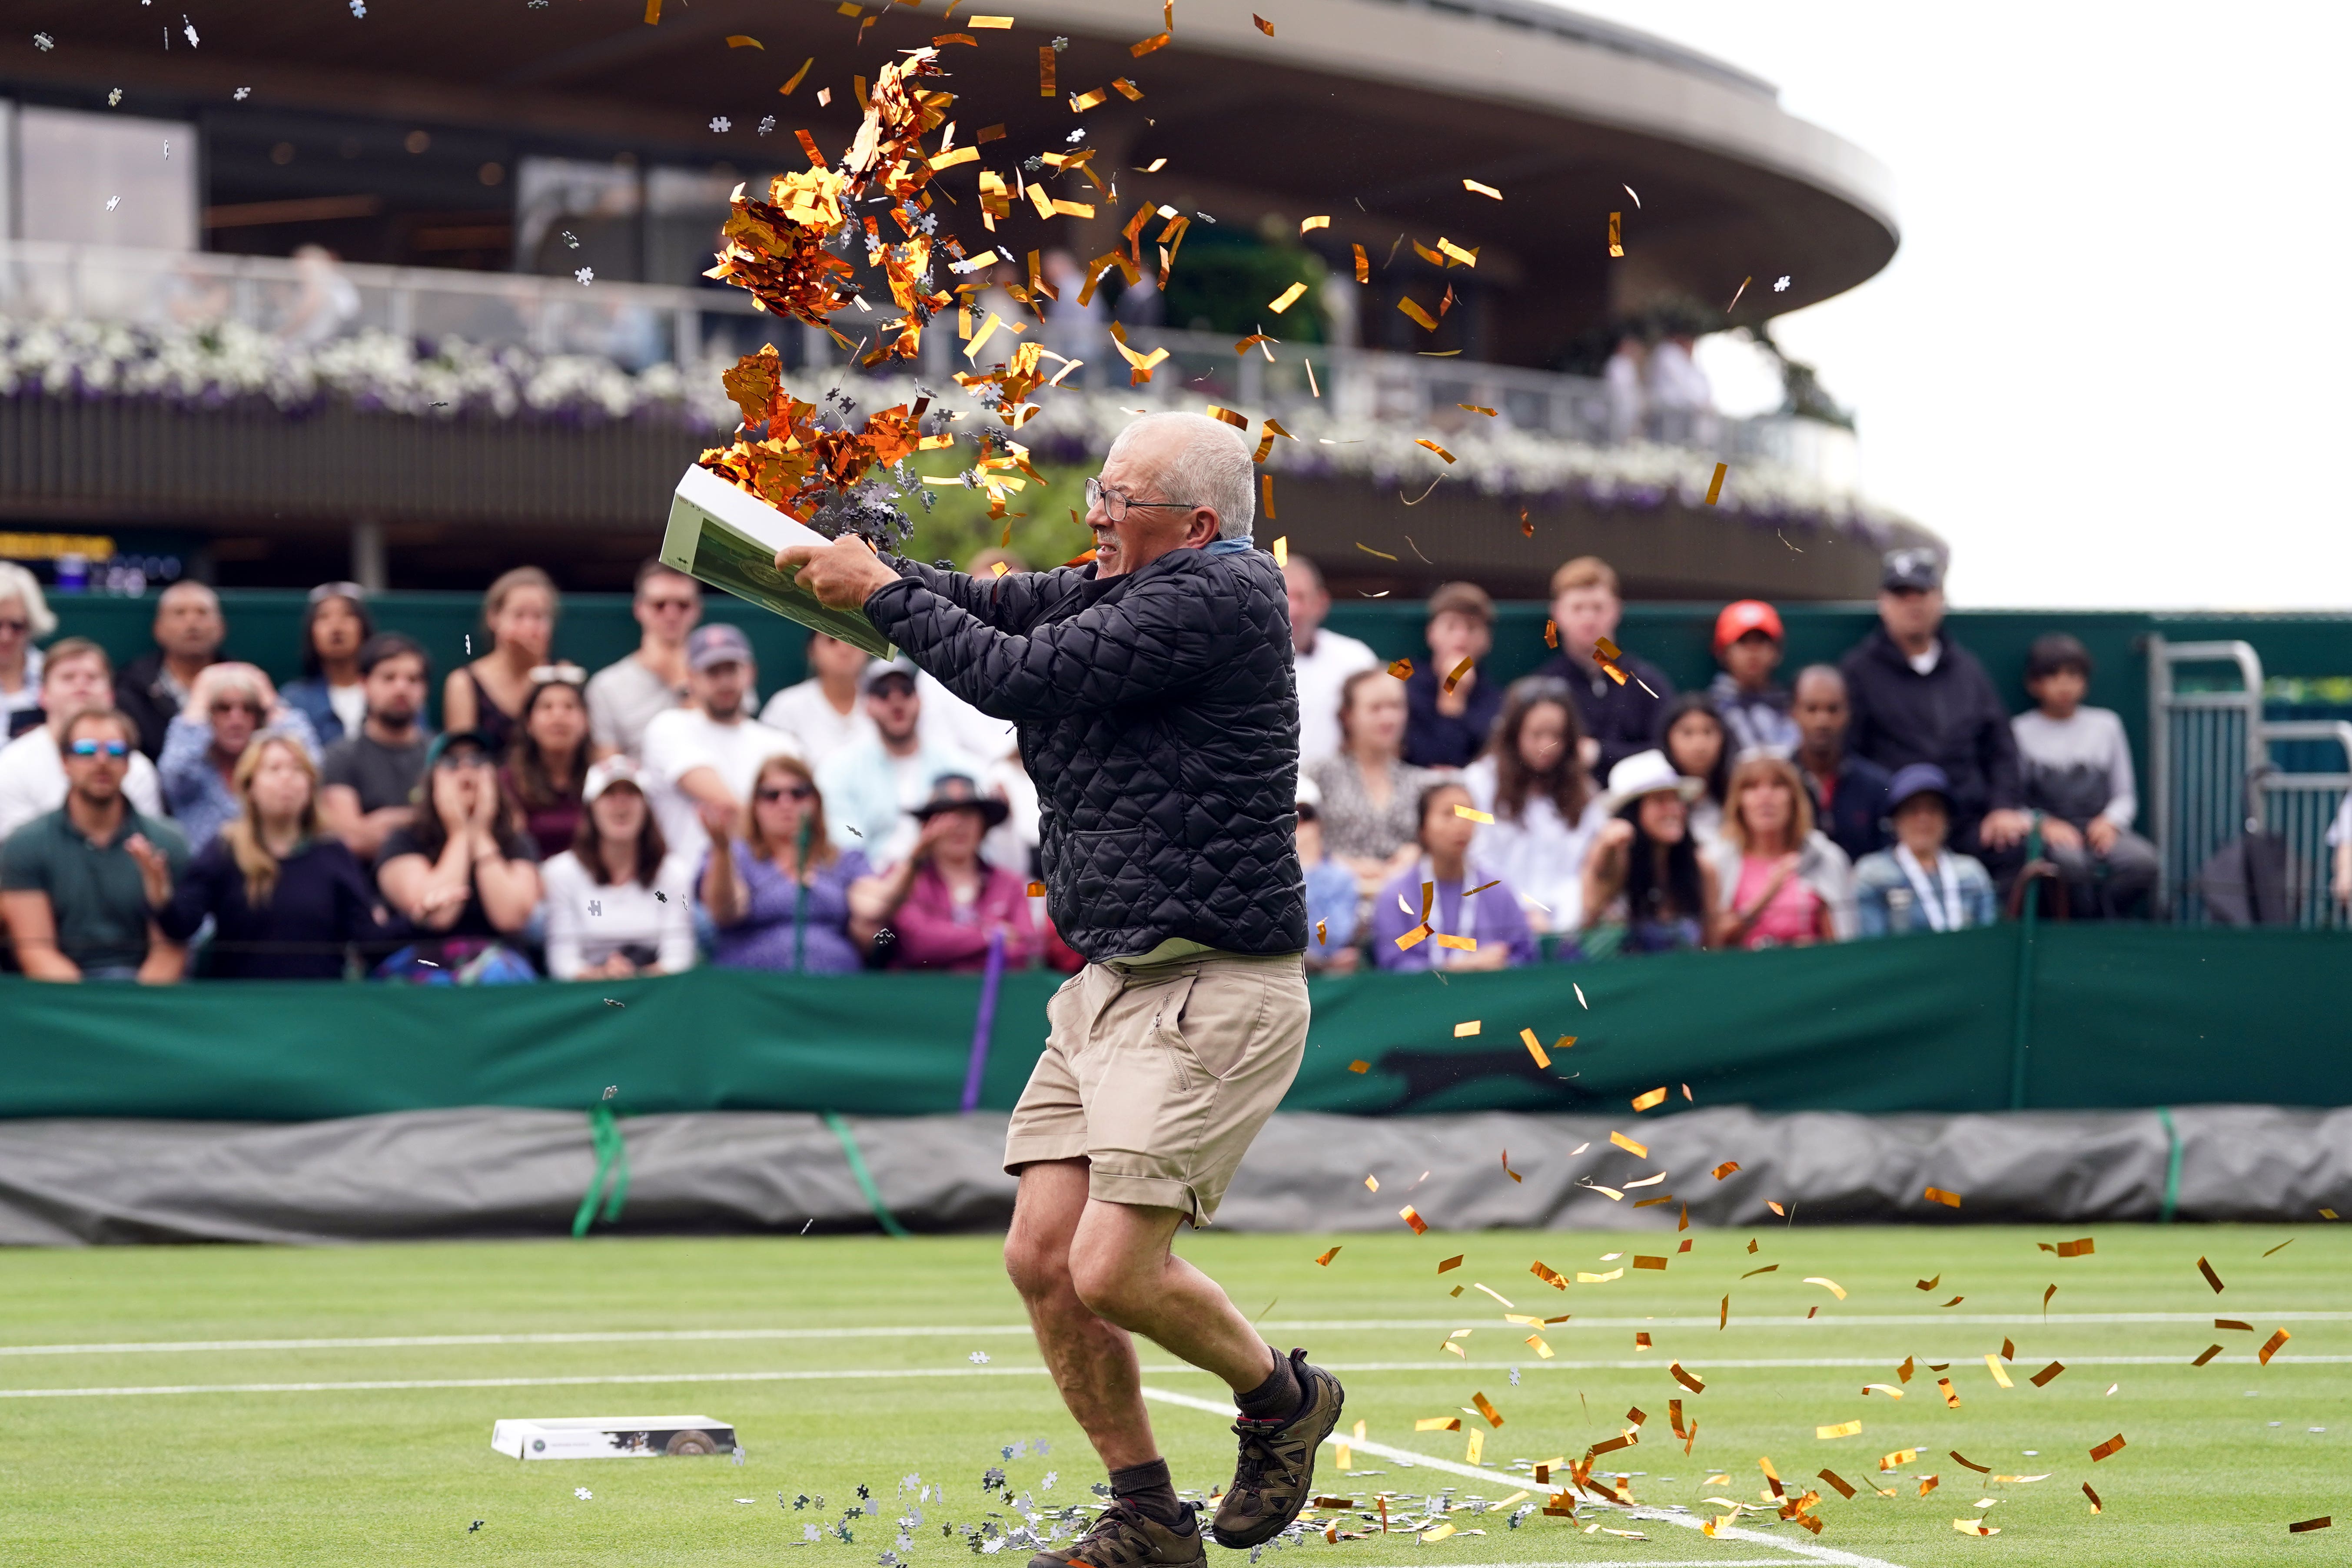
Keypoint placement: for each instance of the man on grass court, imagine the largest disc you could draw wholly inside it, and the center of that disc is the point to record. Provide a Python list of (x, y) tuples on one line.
[(1153, 695)]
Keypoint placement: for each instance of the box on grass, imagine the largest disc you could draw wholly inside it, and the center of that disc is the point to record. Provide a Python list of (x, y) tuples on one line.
[(729, 539), (613, 1438)]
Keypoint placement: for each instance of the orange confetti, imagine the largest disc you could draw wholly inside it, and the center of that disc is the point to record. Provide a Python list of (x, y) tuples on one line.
[(745, 41), (2271, 1346), (2210, 1351), (1938, 1195), (1535, 1050), (1453, 1262), (1474, 186), (2210, 1278), (1402, 668), (787, 88), (2303, 1526), (1726, 1169), (1836, 1480), (1551, 627), (1676, 1371), (1263, 25), (1644, 1261), (1454, 678), (2088, 1492), (1420, 1225), (1326, 1260), (1654, 1097), (1037, 890), (2041, 1379), (1485, 1409), (2081, 1249), (2111, 1445), (1715, 490), (1638, 1151), (1360, 1066)]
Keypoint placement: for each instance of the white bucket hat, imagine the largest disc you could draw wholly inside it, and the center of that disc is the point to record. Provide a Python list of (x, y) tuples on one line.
[(1645, 773), (613, 770)]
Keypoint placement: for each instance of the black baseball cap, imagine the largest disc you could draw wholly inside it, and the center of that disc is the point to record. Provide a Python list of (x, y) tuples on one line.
[(1913, 569)]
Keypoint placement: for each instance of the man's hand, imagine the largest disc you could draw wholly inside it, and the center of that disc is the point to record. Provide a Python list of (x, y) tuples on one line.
[(2103, 835), (718, 820), (2002, 829), (842, 575), (2060, 834)]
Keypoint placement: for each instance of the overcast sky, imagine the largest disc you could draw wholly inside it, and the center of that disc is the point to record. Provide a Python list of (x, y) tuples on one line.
[(2107, 362)]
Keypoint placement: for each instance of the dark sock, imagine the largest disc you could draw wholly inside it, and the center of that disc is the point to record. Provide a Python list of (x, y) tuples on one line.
[(1276, 1399), (1149, 1490)]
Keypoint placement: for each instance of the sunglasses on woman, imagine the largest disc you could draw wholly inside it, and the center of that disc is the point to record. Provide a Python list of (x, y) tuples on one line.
[(116, 750), (775, 793), (566, 674)]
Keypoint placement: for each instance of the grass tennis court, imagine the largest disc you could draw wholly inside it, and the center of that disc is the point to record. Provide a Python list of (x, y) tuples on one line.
[(849, 1361)]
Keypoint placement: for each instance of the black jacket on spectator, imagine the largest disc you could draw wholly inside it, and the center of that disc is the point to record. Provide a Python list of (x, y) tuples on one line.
[(1951, 717), (321, 903), (140, 694), (1434, 739), (1623, 719), (1854, 814), (1158, 714)]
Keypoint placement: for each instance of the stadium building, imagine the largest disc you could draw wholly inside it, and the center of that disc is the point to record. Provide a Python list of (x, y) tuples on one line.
[(414, 294)]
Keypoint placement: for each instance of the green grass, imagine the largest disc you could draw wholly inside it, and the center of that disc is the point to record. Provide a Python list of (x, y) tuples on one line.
[(2210, 1475)]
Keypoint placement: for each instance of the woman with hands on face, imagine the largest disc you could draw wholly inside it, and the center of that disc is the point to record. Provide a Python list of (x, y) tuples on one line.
[(1643, 873), (462, 877)]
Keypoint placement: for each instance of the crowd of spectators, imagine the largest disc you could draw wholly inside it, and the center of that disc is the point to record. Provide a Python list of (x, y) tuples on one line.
[(185, 814)]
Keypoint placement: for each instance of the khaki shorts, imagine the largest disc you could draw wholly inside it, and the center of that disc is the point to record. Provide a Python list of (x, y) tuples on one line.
[(1161, 1075)]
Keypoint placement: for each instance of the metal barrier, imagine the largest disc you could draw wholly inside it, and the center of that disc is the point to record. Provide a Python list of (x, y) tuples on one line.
[(2214, 780)]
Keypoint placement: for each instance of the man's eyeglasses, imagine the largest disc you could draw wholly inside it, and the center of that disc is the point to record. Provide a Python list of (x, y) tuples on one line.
[(1115, 501), (796, 791), (114, 750), (885, 689)]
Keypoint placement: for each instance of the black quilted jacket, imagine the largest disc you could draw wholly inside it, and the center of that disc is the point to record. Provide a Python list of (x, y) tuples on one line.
[(1160, 720)]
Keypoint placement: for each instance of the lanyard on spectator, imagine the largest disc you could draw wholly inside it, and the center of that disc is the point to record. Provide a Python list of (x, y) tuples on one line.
[(1944, 914), (1466, 914)]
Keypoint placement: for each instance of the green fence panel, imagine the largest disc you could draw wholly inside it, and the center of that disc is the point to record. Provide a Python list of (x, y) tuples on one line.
[(2121, 1015)]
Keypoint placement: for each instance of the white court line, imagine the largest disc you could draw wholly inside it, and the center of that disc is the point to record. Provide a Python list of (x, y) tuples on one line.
[(1336, 1325), (1806, 1550), (381, 1384)]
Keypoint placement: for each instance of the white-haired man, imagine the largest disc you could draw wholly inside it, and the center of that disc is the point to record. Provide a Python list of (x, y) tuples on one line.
[(1153, 697)]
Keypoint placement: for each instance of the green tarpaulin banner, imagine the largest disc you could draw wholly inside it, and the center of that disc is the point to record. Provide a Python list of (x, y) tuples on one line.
[(2118, 1015)]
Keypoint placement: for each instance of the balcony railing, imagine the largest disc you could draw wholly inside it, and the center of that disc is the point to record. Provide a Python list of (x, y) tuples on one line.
[(639, 325)]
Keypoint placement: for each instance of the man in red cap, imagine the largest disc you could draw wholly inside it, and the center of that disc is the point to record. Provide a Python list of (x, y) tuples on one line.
[(1754, 708)]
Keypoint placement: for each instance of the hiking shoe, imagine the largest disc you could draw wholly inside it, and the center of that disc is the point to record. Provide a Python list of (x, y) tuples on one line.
[(1276, 1474), (1125, 1537)]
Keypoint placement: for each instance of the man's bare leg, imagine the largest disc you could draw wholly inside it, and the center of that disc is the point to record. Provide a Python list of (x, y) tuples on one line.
[(1092, 1362)]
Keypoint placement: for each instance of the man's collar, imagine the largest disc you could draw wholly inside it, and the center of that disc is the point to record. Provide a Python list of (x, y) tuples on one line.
[(1229, 546)]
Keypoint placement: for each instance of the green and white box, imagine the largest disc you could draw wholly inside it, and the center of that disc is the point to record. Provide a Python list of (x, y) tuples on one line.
[(613, 1438), (729, 539)]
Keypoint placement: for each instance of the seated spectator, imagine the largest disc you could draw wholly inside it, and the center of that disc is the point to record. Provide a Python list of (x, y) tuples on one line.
[(1447, 719), (1533, 782), (72, 883), (1694, 741), (624, 696), (1919, 697), (1468, 901), (485, 696), (546, 770), (25, 617), (1370, 796), (2076, 768), (331, 693), (1320, 660), (1753, 706), (780, 899), (1331, 896), (619, 904), (944, 902), (826, 712), (230, 706), (371, 777), (287, 901), (1920, 884), (1619, 721), (1647, 886), (461, 875), (189, 631), (872, 786), (1849, 791), (1780, 881), (706, 753), (75, 679)]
